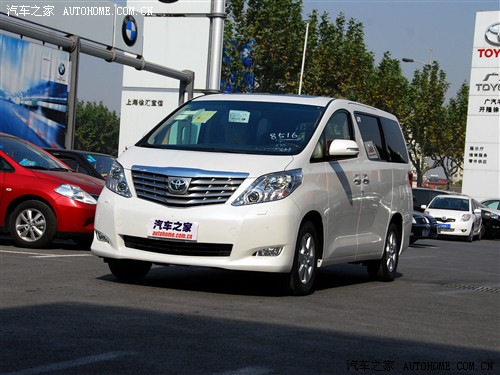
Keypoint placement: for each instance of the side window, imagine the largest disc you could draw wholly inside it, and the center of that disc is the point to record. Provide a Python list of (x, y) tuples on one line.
[(4, 166), (338, 127), (372, 137), (396, 146)]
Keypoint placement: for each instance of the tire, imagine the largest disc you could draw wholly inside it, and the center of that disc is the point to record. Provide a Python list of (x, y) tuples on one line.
[(128, 270), (385, 268), (301, 277), (479, 235), (483, 231), (470, 237), (33, 224)]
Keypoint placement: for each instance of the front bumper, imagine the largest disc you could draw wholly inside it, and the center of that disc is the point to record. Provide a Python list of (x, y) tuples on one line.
[(245, 230)]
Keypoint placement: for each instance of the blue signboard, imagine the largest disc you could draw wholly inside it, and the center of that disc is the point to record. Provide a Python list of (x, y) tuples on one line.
[(33, 91)]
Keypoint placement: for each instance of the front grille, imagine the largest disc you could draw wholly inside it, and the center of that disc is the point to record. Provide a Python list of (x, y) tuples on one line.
[(441, 220), (205, 187), (178, 248)]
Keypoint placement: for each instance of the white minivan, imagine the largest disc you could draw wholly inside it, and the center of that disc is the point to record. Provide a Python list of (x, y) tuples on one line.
[(256, 182)]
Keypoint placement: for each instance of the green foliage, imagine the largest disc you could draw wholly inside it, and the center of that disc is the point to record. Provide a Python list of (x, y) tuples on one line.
[(338, 64), (97, 129)]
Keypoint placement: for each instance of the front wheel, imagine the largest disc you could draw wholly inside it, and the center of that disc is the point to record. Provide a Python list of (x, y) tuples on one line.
[(385, 268), (128, 270), (301, 277), (33, 224)]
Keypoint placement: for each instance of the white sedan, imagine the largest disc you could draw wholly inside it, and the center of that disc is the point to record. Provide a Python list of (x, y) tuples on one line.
[(456, 215)]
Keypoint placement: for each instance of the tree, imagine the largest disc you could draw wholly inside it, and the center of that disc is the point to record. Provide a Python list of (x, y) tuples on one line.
[(97, 129), (389, 89), (272, 32), (450, 141), (337, 61), (338, 64), (423, 124)]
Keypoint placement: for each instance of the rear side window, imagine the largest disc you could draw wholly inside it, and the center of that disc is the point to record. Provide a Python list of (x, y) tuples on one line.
[(382, 138), (372, 136), (396, 146)]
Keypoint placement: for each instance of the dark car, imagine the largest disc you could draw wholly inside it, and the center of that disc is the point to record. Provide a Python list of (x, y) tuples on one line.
[(91, 163), (492, 203), (423, 226), (423, 196), (491, 222)]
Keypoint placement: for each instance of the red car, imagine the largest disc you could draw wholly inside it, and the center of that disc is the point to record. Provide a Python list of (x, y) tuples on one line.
[(41, 198)]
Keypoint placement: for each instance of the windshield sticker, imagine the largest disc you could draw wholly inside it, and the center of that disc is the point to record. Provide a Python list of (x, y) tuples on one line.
[(371, 150), (204, 116), (284, 136), (185, 115), (239, 116)]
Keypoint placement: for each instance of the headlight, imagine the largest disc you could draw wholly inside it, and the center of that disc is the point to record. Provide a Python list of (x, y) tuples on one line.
[(116, 181), (270, 187), (413, 221), (466, 217), (76, 193)]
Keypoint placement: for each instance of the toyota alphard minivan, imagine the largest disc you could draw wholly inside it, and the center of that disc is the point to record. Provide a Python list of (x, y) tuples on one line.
[(271, 183)]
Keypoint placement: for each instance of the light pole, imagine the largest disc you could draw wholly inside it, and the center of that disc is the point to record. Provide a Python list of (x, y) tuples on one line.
[(422, 163), (409, 60)]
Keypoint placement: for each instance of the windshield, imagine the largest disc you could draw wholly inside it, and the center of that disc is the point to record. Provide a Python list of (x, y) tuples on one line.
[(445, 203), (101, 163), (28, 155), (237, 126)]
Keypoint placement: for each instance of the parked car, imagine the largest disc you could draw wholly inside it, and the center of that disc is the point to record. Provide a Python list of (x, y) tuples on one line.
[(41, 198), (492, 203), (258, 182), (91, 163), (457, 215), (491, 222), (422, 197), (423, 226), (420, 227)]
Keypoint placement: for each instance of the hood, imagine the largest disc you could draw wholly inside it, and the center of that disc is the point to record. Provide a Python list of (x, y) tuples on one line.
[(446, 213), (88, 183), (254, 165)]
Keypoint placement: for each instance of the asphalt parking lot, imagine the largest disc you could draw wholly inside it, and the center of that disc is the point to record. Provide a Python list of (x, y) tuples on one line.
[(62, 312)]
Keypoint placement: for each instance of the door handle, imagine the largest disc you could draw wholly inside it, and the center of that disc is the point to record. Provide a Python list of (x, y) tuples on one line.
[(357, 180), (366, 180)]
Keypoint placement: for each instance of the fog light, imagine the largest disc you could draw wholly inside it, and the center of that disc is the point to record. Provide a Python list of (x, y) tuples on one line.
[(101, 236), (269, 252)]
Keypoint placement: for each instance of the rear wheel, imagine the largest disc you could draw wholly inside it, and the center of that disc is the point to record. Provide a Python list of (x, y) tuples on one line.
[(385, 268), (33, 224), (301, 277), (128, 270)]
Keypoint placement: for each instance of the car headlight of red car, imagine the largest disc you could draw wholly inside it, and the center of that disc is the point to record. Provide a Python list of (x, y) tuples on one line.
[(76, 193)]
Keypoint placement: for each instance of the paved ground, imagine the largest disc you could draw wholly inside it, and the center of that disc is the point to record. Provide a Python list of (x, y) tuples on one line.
[(62, 312)]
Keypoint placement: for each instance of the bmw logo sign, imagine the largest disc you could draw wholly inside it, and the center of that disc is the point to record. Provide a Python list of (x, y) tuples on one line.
[(61, 69), (129, 30)]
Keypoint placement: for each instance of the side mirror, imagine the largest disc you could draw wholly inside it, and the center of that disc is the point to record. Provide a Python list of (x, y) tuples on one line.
[(343, 147)]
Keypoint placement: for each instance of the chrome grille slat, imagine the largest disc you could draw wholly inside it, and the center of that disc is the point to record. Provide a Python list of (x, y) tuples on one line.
[(203, 188)]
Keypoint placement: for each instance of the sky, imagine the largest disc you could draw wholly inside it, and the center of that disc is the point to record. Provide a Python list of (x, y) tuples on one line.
[(424, 30)]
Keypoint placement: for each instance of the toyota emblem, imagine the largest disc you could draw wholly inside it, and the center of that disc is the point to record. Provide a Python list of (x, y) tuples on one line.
[(492, 34), (177, 185)]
